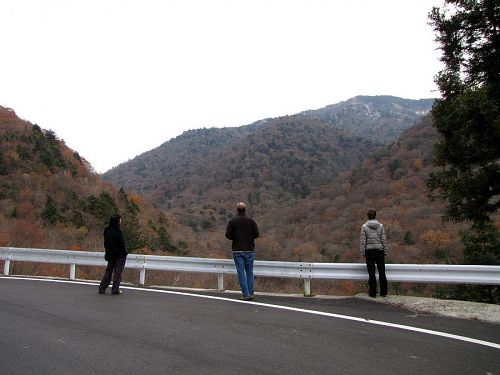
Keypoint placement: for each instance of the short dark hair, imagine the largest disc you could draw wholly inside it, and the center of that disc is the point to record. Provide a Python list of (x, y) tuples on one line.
[(372, 214), (115, 219)]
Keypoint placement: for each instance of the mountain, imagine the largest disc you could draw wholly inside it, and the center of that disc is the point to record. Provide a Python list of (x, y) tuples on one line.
[(325, 225), (289, 169), (276, 160), (273, 159), (378, 118), (49, 197), (307, 183), (200, 175)]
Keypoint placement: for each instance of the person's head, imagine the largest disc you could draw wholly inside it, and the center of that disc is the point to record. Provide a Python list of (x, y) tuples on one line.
[(241, 207), (115, 220), (372, 214)]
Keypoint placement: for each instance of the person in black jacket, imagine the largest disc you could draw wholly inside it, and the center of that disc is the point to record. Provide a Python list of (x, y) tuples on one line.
[(116, 255), (243, 230)]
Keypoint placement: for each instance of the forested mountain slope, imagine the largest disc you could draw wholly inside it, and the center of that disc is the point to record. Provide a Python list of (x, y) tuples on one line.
[(325, 225), (50, 197), (308, 183), (280, 159)]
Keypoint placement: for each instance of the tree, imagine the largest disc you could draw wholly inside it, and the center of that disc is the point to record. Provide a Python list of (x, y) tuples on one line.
[(468, 115), (50, 214), (102, 207), (164, 240), (408, 239), (482, 247), (132, 232), (130, 222)]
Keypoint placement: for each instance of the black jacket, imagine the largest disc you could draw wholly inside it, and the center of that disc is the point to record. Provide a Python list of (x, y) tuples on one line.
[(114, 243), (242, 230)]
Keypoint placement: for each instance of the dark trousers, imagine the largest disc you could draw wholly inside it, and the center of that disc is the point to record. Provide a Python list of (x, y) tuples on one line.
[(376, 257), (115, 268)]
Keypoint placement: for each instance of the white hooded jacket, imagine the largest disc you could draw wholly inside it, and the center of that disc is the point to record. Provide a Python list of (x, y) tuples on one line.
[(372, 237)]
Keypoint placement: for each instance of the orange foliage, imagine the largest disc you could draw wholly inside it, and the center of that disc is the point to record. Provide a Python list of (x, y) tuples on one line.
[(418, 164), (305, 251), (25, 209), (136, 199), (435, 238), (23, 233)]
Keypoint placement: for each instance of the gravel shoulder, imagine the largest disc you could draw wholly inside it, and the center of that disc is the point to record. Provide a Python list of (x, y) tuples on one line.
[(457, 309)]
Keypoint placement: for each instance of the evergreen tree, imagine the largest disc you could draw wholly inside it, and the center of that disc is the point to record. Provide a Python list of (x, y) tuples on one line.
[(131, 227), (77, 219), (467, 117), (107, 205), (50, 214), (482, 247), (164, 239), (408, 239), (132, 232)]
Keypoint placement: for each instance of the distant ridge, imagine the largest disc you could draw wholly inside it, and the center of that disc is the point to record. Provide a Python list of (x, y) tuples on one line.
[(284, 157), (378, 118)]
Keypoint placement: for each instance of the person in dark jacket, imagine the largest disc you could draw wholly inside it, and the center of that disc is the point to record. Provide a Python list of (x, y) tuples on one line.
[(116, 255), (243, 230), (373, 246)]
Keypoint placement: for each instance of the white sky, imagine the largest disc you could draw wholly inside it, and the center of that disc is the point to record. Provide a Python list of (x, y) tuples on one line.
[(116, 78)]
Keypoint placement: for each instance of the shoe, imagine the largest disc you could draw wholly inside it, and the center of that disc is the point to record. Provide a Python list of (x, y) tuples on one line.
[(117, 293), (383, 295), (246, 298), (372, 295), (102, 291)]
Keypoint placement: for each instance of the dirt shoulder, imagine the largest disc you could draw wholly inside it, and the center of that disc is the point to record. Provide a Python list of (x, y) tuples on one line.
[(458, 309)]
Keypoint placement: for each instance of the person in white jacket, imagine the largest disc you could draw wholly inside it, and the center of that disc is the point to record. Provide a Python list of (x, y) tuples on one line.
[(373, 246)]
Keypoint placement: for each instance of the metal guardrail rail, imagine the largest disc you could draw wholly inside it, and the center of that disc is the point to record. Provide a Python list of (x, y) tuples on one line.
[(417, 273)]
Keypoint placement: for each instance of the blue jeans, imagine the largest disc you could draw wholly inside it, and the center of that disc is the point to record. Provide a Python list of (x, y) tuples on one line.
[(244, 267)]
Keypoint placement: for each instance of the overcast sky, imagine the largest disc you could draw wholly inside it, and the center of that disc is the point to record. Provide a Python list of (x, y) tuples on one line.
[(116, 78)]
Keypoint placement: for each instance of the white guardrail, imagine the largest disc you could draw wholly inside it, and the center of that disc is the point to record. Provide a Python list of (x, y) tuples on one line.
[(416, 273)]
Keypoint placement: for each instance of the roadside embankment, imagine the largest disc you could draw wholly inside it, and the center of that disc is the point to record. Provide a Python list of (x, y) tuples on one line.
[(458, 309)]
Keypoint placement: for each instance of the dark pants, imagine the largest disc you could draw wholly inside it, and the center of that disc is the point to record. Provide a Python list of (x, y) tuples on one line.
[(376, 257), (115, 268)]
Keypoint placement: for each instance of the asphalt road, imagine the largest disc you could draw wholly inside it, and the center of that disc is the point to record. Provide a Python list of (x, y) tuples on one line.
[(62, 328)]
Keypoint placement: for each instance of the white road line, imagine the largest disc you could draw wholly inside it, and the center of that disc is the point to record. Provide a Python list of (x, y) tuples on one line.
[(331, 315)]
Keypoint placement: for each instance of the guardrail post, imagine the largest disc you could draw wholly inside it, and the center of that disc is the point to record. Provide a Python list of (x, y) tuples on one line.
[(142, 276), (6, 267), (72, 271), (220, 282), (307, 287)]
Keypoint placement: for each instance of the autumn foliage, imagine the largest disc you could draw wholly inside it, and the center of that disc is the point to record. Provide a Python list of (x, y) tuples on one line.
[(51, 198)]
